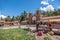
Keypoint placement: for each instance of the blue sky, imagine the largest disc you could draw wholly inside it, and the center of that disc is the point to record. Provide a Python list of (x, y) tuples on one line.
[(16, 7)]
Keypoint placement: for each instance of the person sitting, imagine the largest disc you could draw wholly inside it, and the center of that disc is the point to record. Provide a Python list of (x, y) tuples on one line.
[(49, 26)]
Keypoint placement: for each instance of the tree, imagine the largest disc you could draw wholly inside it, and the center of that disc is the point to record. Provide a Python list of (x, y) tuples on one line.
[(8, 19), (58, 12), (17, 18), (13, 18), (24, 16), (52, 13)]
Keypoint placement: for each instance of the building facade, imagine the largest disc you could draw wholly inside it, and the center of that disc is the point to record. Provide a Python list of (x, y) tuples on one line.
[(35, 17), (14, 23)]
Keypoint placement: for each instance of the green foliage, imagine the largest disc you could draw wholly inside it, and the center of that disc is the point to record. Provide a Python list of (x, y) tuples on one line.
[(8, 19), (17, 18), (47, 37), (52, 13), (13, 18), (15, 34), (24, 16)]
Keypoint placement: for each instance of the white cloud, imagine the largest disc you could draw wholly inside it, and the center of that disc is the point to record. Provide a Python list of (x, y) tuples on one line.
[(47, 8), (59, 7), (3, 16), (44, 2)]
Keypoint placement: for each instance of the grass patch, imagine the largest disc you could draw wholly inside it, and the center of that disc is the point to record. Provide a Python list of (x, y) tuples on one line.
[(35, 25), (15, 34)]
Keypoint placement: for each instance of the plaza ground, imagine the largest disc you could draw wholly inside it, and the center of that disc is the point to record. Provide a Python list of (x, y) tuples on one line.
[(15, 32)]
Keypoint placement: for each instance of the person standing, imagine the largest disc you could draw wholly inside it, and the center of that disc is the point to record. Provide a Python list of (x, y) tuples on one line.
[(37, 25)]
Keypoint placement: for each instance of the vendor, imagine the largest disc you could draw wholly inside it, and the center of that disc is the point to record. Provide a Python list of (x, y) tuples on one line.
[(37, 25), (49, 26)]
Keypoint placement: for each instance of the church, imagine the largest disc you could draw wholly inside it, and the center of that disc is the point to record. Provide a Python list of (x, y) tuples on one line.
[(41, 18), (36, 17)]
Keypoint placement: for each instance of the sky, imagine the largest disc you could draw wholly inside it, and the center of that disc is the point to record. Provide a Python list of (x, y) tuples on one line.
[(16, 7)]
